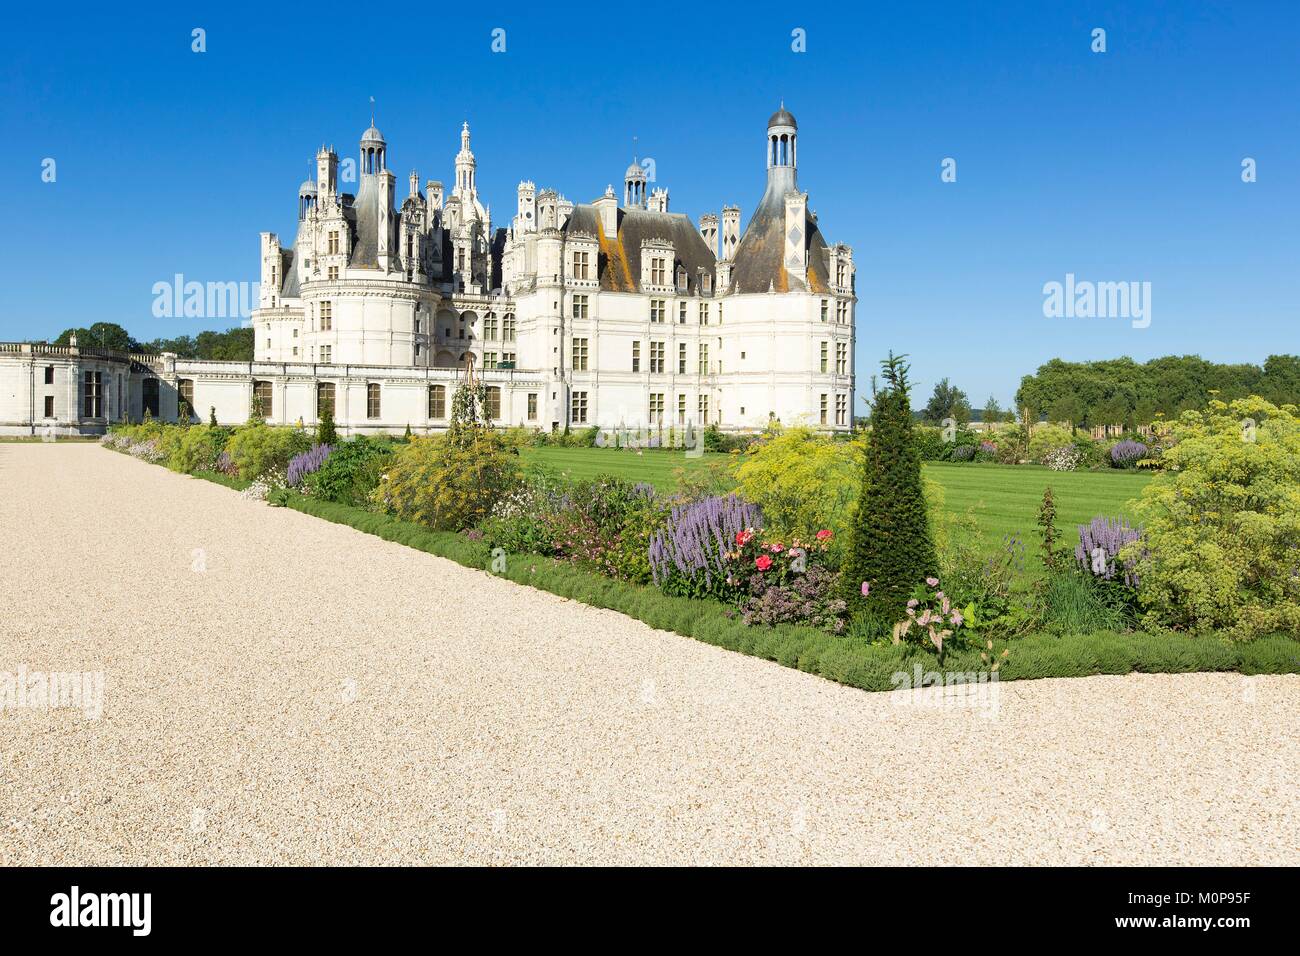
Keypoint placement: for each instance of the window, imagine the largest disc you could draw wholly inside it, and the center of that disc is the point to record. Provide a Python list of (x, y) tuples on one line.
[(657, 358), (841, 358), (324, 399), (840, 273), (841, 409), (92, 395), (681, 313), (822, 417), (823, 362), (657, 310), (185, 393), (489, 359), (579, 306), (332, 273), (704, 313), (149, 395), (704, 359), (437, 401), (656, 408), (704, 409), (578, 408), (262, 399), (326, 316), (49, 375), (49, 406), (490, 327), (582, 265), (532, 406), (326, 354), (372, 400), (580, 355), (657, 271), (295, 351), (681, 409), (493, 410), (636, 356), (295, 333), (333, 246), (842, 313), (508, 327), (681, 358), (825, 309)]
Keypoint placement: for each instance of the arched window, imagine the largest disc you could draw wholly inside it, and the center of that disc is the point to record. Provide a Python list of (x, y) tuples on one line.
[(324, 399)]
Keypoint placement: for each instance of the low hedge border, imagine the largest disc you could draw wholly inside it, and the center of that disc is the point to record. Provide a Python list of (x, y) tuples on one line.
[(816, 652)]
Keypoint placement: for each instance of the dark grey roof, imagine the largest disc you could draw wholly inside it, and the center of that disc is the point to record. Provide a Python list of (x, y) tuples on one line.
[(760, 258), (288, 276), (782, 117), (365, 225), (619, 261)]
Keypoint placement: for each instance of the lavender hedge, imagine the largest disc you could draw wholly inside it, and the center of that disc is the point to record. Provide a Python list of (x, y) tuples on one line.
[(1127, 452), (304, 463), (688, 555), (1109, 535)]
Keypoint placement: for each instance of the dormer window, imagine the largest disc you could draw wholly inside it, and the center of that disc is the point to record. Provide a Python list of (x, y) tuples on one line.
[(681, 279), (706, 283)]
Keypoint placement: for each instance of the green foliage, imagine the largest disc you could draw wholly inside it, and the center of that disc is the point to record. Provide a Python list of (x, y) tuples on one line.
[(890, 547), (1222, 523), (232, 345), (803, 482), (450, 482), (1073, 603), (326, 433), (351, 472), (198, 448), (257, 448), (1045, 438), (101, 335), (948, 401), (1054, 556)]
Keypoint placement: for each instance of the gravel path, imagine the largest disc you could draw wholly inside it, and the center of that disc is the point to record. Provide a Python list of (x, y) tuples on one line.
[(279, 689)]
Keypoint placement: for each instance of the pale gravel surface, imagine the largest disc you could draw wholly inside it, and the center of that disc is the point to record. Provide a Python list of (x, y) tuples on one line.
[(495, 724)]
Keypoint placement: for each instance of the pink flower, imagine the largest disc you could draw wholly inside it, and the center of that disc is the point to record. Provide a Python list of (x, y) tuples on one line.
[(776, 547), (913, 602), (866, 588), (957, 619), (933, 582), (762, 562), (824, 534)]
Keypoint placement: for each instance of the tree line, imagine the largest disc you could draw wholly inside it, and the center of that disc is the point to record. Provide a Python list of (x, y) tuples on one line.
[(232, 345)]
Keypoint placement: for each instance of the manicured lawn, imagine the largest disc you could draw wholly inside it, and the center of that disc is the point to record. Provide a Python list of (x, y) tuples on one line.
[(1005, 498)]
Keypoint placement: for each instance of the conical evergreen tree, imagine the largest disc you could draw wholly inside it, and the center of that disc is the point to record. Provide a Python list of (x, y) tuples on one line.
[(890, 546)]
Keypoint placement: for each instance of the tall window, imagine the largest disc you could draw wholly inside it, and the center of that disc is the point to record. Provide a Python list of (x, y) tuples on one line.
[(681, 313), (656, 408), (578, 408), (823, 364), (657, 310), (704, 359), (332, 273), (49, 375), (333, 246), (825, 309), (493, 403), (636, 356), (579, 355), (185, 401), (437, 401), (657, 271), (681, 409), (579, 306), (681, 358), (49, 406), (704, 313), (508, 327), (326, 316), (841, 358), (324, 399), (490, 327), (581, 265), (326, 354), (532, 406), (841, 409), (262, 399), (372, 400), (657, 357), (489, 359), (704, 409), (822, 418), (842, 312)]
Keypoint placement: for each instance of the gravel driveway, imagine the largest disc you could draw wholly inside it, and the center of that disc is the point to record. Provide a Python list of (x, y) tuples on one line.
[(278, 689)]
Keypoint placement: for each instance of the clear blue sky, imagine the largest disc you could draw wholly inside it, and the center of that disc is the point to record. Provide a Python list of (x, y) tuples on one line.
[(1122, 166)]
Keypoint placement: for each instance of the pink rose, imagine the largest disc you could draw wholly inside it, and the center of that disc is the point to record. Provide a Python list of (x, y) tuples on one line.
[(933, 582), (762, 562), (866, 588), (824, 534)]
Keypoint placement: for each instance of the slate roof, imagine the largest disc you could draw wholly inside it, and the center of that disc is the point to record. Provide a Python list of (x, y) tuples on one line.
[(619, 260), (760, 257)]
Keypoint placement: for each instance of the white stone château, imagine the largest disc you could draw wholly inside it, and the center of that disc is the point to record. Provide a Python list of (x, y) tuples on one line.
[(601, 313)]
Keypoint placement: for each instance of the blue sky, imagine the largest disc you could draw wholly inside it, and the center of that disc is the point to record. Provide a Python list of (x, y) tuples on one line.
[(1115, 166)]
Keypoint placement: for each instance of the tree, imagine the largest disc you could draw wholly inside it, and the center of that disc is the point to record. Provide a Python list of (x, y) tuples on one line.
[(325, 431), (890, 547), (1067, 409), (948, 401), (992, 411), (101, 335)]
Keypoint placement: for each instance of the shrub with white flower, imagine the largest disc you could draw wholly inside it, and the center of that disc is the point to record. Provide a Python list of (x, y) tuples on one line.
[(1065, 458), (931, 615), (256, 491)]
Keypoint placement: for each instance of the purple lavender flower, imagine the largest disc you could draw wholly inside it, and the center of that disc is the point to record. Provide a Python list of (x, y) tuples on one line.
[(694, 543), (303, 464), (1126, 452), (1100, 541)]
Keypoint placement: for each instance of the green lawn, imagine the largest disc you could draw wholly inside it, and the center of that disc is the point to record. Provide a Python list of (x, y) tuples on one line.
[(1005, 498)]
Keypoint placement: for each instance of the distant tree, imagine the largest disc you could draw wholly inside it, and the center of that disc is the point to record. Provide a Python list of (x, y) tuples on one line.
[(1067, 409), (992, 410), (101, 335), (948, 401)]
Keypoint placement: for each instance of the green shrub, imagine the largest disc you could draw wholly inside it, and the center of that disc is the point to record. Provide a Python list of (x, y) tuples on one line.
[(1046, 438), (198, 449), (256, 448), (450, 483), (1222, 523), (351, 472), (1073, 603), (891, 547), (803, 482)]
